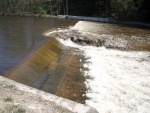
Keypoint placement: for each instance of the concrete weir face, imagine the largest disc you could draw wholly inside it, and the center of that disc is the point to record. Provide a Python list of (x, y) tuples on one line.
[(35, 71), (55, 69)]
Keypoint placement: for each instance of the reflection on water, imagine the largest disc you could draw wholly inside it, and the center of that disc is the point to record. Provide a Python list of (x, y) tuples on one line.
[(20, 35)]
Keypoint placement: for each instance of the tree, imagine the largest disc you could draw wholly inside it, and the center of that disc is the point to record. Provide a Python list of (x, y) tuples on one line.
[(66, 7), (123, 8)]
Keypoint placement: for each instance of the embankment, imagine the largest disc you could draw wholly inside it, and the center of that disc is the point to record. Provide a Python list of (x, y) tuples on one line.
[(30, 100)]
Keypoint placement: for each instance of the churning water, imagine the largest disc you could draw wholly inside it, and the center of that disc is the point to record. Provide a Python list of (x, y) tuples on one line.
[(118, 80)]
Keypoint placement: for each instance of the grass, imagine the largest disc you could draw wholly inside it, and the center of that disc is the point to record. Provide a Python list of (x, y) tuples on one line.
[(12, 109), (8, 99), (5, 85), (2, 111), (21, 110)]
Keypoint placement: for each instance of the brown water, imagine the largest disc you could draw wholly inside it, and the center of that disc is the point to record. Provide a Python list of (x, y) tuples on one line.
[(116, 35), (28, 57), (21, 35)]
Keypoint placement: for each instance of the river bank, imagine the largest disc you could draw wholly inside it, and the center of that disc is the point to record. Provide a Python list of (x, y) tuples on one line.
[(36, 15), (83, 18), (17, 97)]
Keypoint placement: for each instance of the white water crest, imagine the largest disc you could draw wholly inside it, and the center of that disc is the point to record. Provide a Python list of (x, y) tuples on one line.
[(119, 80)]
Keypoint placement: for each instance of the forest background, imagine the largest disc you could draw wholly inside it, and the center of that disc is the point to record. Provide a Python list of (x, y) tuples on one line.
[(132, 10)]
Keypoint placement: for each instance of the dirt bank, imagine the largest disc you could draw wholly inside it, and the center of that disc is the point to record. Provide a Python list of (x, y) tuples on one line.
[(15, 100), (18, 98)]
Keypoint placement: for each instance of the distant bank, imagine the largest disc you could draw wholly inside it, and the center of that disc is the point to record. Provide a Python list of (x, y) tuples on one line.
[(109, 20), (83, 18)]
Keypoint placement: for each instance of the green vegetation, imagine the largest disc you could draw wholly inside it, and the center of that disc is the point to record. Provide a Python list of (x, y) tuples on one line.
[(3, 84), (53, 7), (2, 111), (20, 110), (8, 99), (130, 9), (12, 109), (125, 9)]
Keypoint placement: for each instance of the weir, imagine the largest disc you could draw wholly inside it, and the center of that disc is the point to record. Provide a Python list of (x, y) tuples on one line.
[(97, 75), (50, 68), (35, 71)]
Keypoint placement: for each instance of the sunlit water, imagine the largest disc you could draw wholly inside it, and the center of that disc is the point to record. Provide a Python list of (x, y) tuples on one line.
[(119, 80)]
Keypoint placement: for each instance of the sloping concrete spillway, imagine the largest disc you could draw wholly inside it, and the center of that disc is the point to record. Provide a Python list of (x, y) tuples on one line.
[(35, 71), (51, 68)]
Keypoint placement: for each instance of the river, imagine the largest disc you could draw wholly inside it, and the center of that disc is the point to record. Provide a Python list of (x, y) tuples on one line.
[(116, 80)]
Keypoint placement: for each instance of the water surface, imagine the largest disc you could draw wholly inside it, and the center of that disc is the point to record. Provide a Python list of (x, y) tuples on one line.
[(20, 35)]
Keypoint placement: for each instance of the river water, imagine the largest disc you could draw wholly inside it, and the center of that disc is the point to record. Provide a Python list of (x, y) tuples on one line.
[(20, 35), (117, 81)]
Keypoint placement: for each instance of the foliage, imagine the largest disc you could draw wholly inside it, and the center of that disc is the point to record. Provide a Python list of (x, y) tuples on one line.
[(130, 9), (43, 12), (125, 9), (31, 6), (8, 99), (12, 109), (20, 110)]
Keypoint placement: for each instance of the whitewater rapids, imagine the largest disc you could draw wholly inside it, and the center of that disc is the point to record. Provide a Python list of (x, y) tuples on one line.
[(119, 80)]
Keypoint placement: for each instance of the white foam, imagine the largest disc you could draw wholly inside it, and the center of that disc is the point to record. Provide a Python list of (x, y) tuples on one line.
[(120, 79), (50, 33)]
